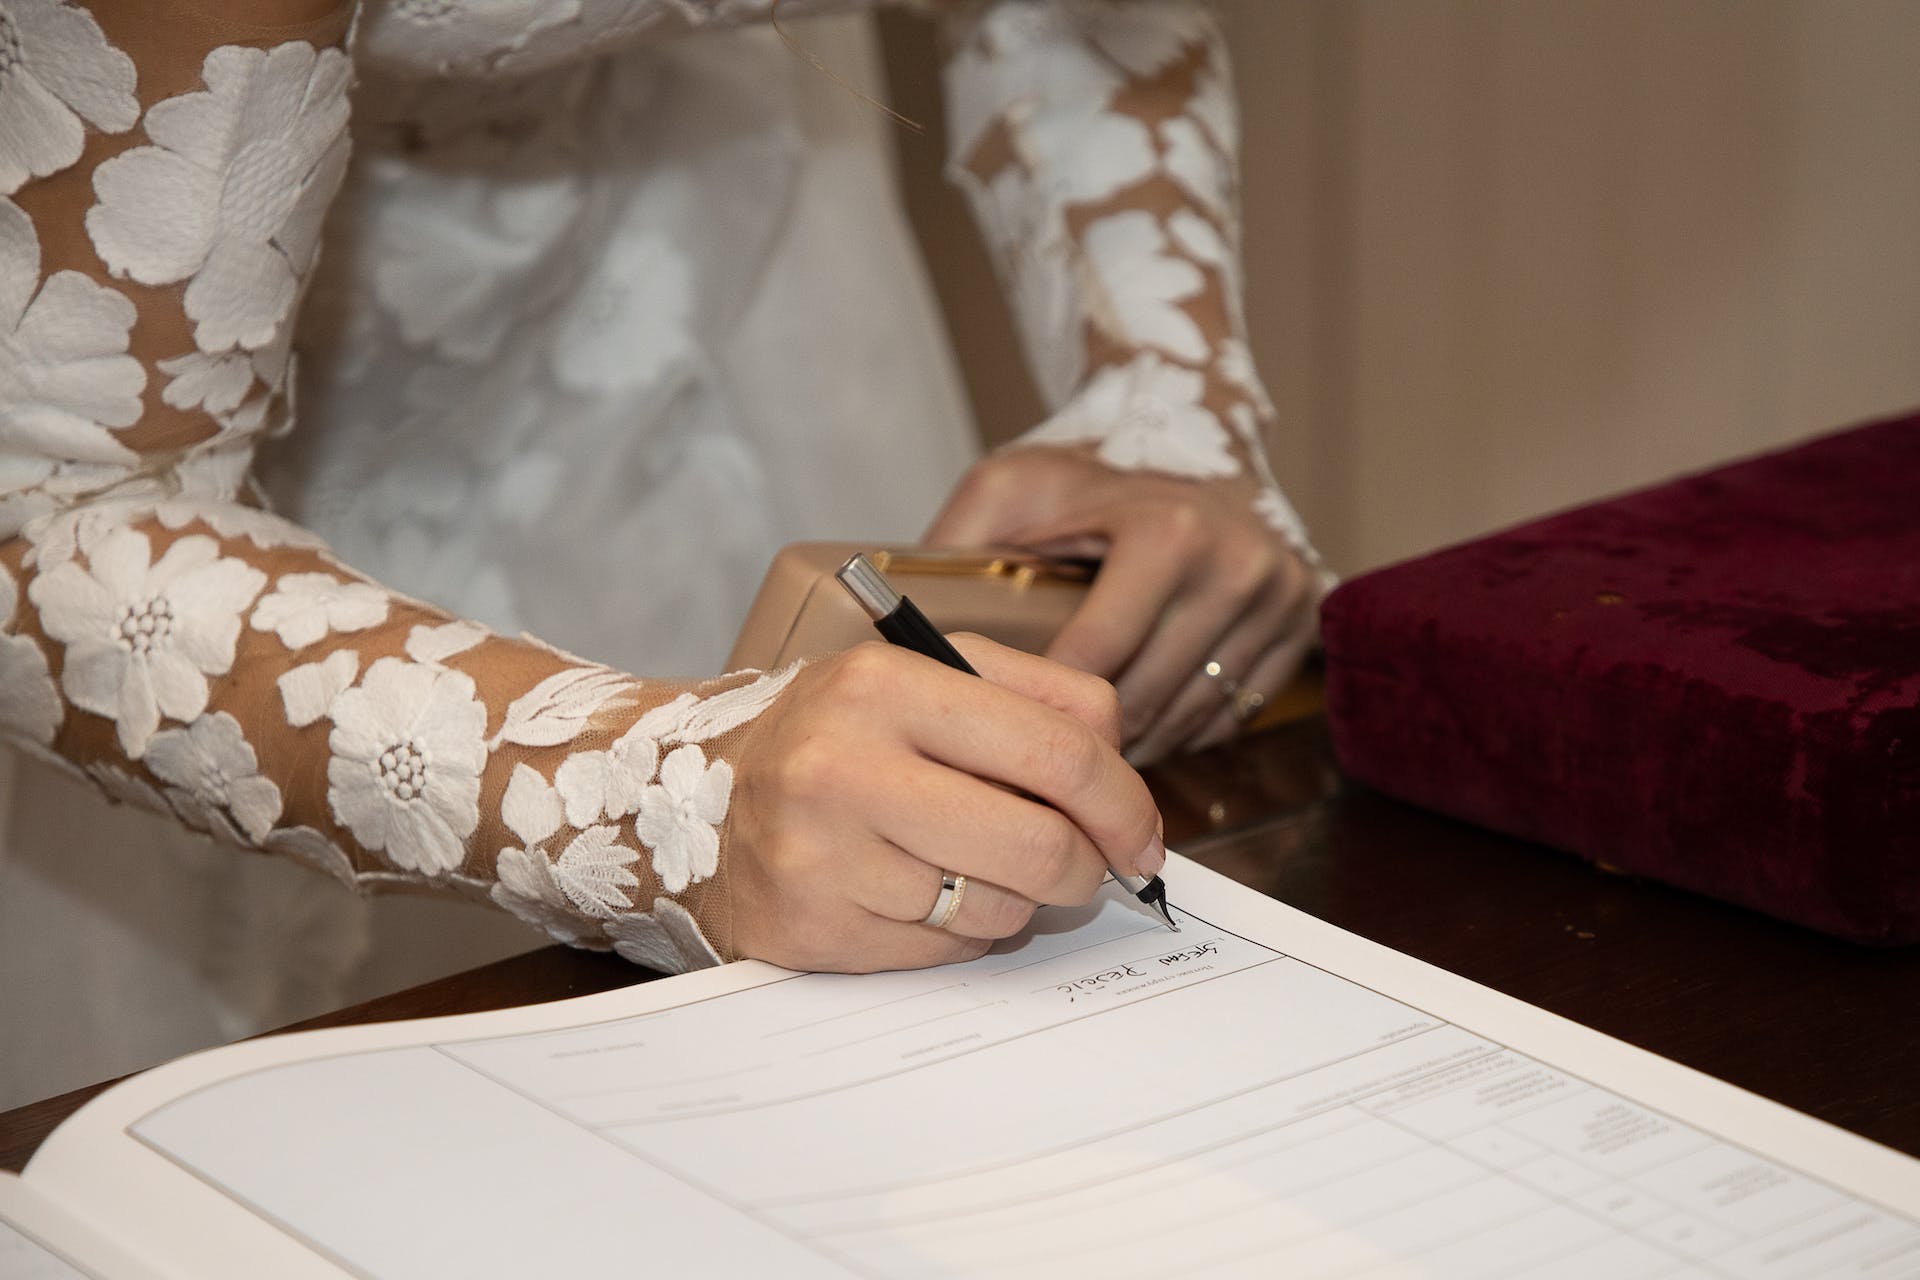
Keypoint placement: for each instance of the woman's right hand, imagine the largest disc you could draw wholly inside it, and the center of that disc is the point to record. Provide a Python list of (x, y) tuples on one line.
[(877, 769)]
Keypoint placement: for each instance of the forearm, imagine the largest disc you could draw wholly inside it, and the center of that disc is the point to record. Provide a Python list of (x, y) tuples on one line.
[(1097, 145), (183, 649), (209, 660)]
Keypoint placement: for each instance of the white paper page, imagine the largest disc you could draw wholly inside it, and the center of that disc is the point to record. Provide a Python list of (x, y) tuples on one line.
[(38, 1241), (1104, 1097)]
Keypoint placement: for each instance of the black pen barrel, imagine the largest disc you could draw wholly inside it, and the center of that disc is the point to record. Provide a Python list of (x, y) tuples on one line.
[(907, 627)]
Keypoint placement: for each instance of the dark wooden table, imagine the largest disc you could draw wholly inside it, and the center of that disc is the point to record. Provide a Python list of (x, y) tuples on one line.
[(1824, 1026)]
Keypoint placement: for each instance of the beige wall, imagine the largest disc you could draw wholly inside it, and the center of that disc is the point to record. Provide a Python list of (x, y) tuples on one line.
[(1509, 256)]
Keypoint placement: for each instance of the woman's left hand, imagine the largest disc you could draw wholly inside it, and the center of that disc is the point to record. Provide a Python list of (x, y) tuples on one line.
[(1190, 575)]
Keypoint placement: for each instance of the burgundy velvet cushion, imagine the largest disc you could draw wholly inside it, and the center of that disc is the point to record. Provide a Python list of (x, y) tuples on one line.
[(1714, 682)]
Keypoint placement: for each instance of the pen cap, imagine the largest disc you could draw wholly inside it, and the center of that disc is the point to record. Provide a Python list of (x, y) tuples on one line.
[(875, 594)]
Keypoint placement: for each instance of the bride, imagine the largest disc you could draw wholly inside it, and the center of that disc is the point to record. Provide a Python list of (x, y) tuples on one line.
[(604, 301)]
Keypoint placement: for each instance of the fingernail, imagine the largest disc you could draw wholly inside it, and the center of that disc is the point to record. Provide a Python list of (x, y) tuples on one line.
[(1153, 857)]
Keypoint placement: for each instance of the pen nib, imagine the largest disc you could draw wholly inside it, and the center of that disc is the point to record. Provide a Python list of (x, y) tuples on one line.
[(1155, 896)]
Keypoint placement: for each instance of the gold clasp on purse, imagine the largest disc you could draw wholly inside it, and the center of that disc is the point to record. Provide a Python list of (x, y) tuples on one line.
[(1021, 571)]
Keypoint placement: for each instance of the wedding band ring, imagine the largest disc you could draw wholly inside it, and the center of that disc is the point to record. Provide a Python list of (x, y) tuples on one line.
[(947, 905), (1244, 703), (1225, 683)]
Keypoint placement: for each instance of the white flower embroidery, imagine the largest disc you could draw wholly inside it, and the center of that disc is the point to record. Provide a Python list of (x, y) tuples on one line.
[(531, 808), (525, 883), (1200, 240), (231, 520), (34, 490), (667, 939), (1045, 297), (56, 69), (449, 639), (1145, 39), (30, 706), (592, 871), (1018, 55), (686, 719), (560, 707), (527, 888), (212, 768), (1213, 106), (307, 691), (1234, 363), (1033, 71), (142, 637), (610, 783), (65, 375), (1273, 508), (123, 788), (304, 844), (231, 196), (1192, 161), (1140, 286), (631, 323), (680, 817), (220, 385), (448, 36), (215, 383), (517, 215), (408, 748), (1147, 416), (1086, 153), (304, 607)]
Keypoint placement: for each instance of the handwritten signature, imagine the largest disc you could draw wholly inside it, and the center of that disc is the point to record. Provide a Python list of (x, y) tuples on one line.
[(1095, 983)]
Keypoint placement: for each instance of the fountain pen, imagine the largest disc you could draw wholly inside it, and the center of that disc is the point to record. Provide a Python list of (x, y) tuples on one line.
[(900, 622)]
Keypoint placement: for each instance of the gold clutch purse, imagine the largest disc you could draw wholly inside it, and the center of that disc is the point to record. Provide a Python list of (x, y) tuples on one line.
[(1017, 598)]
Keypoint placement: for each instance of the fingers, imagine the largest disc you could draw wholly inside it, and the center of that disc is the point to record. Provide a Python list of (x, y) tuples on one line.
[(981, 729), (1139, 576), (1270, 675), (980, 908), (1087, 698), (1005, 736), (1203, 713), (869, 943), (832, 899), (1267, 673), (1194, 698), (1248, 596), (947, 820), (880, 767)]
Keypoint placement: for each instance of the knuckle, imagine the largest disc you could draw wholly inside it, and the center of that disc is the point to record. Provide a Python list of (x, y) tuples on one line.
[(1103, 707), (867, 669), (1181, 525), (988, 481), (1073, 758), (965, 640), (1252, 569), (1050, 851), (808, 769)]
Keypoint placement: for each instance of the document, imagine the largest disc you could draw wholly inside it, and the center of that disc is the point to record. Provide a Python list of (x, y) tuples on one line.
[(1258, 1095), (38, 1241)]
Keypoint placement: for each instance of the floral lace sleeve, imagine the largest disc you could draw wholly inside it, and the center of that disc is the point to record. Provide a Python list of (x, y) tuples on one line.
[(1096, 142), (162, 180)]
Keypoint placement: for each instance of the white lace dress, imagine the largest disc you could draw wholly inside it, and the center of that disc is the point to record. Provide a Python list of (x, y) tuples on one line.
[(604, 313)]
